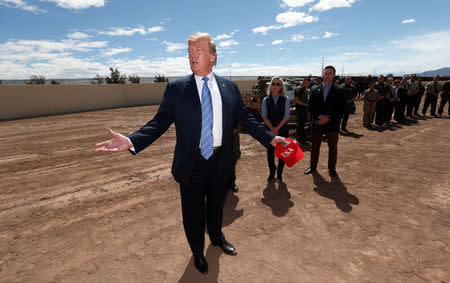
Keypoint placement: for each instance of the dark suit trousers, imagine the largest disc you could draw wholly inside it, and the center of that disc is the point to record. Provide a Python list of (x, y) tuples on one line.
[(202, 201), (316, 140), (430, 99)]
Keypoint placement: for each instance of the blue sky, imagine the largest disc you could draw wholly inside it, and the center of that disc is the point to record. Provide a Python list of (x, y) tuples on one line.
[(82, 38)]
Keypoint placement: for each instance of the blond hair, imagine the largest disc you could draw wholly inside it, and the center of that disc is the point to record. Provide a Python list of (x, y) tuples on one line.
[(283, 87), (204, 36)]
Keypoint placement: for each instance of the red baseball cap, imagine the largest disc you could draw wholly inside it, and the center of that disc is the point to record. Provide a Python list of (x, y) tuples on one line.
[(291, 153)]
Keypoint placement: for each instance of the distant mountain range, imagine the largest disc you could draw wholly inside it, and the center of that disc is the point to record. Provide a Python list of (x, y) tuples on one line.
[(440, 72)]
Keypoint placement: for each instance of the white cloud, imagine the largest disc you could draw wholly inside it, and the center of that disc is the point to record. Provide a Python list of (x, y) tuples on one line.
[(314, 37), (297, 38), (325, 5), (259, 44), (114, 51), (263, 30), (20, 4), (77, 35), (329, 34), (115, 31), (226, 36), (292, 18), (172, 66), (171, 46), (78, 4), (296, 3), (155, 29), (421, 43), (222, 36), (276, 42), (228, 43), (408, 21)]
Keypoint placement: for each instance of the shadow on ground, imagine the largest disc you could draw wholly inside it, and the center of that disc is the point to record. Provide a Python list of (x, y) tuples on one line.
[(277, 199), (335, 190), (191, 274)]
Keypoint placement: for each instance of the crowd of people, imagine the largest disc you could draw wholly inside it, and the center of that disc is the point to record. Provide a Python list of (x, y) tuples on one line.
[(384, 99)]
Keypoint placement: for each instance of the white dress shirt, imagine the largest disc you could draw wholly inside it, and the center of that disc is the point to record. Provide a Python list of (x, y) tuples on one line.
[(216, 104)]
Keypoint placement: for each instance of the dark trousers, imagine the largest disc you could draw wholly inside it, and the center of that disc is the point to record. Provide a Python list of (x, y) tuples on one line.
[(380, 112), (348, 110), (430, 99), (202, 201), (389, 110), (316, 140), (416, 103), (444, 99), (236, 156), (301, 122), (409, 105), (399, 111), (271, 157)]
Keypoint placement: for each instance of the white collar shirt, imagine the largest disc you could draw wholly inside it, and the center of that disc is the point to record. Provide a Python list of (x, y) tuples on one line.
[(216, 105)]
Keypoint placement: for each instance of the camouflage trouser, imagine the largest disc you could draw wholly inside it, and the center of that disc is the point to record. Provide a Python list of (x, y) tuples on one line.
[(236, 156), (369, 111), (301, 121)]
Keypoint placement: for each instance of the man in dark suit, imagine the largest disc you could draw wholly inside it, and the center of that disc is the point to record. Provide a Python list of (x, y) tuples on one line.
[(205, 109), (327, 105)]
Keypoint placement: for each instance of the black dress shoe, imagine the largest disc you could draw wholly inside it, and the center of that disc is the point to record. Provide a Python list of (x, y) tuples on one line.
[(235, 189), (310, 170), (226, 247), (333, 174), (201, 264)]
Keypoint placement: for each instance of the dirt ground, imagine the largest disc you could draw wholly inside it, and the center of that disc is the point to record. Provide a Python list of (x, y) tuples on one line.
[(69, 214)]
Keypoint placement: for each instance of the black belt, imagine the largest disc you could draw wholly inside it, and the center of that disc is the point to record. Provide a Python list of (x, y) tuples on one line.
[(216, 149)]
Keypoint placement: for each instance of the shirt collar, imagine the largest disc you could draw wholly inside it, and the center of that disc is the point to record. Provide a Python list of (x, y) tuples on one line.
[(210, 76)]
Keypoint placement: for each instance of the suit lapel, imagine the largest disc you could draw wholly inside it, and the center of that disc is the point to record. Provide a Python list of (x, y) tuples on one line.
[(191, 90)]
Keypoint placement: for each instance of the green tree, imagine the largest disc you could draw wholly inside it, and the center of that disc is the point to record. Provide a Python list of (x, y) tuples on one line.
[(160, 78), (54, 82), (115, 78), (97, 80), (134, 79), (36, 80)]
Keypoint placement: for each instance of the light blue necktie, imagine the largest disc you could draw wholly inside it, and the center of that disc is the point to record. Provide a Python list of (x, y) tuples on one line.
[(206, 138)]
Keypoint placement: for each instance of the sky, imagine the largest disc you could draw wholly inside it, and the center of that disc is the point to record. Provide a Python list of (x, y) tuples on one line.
[(83, 38)]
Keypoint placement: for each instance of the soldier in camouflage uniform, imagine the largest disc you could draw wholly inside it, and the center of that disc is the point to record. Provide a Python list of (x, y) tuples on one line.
[(418, 97), (380, 108), (350, 93), (236, 155), (370, 98), (301, 106), (445, 97), (432, 91)]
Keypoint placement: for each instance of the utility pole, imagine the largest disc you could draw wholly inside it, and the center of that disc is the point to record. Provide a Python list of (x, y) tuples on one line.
[(229, 65), (321, 70)]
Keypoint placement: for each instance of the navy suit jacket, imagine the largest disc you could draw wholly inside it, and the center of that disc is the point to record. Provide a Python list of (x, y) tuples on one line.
[(181, 105), (334, 107)]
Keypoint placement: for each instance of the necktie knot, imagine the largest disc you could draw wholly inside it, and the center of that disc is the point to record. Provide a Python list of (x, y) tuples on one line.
[(205, 79)]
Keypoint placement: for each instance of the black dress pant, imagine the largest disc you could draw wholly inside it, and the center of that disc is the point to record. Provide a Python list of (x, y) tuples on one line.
[(316, 140), (202, 201), (271, 157), (417, 100), (380, 111)]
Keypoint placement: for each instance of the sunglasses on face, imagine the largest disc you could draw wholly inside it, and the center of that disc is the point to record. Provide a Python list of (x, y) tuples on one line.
[(276, 84)]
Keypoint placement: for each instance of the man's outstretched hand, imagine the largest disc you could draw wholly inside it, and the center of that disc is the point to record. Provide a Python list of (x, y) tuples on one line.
[(278, 139), (117, 144)]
